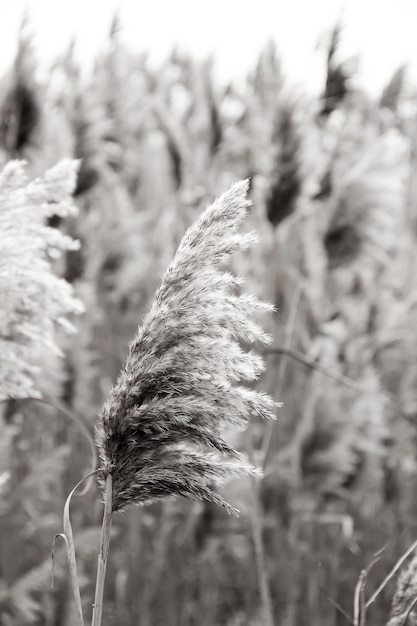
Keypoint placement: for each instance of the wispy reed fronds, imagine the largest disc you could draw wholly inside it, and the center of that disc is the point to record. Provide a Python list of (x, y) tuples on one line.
[(35, 302), (338, 75), (160, 432), (286, 179), (20, 108), (391, 94), (405, 597), (368, 199)]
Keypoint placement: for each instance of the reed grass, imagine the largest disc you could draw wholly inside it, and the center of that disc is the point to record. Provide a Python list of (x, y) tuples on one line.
[(161, 432)]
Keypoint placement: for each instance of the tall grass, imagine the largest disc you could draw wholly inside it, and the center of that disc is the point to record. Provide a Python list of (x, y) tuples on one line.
[(337, 259)]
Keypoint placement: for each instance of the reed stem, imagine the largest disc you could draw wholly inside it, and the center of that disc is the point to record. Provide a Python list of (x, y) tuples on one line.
[(103, 554)]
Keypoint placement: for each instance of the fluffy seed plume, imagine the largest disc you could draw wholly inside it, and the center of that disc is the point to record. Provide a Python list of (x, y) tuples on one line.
[(160, 432)]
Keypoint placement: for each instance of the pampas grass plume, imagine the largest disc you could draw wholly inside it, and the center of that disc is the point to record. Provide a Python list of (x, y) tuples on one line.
[(160, 431)]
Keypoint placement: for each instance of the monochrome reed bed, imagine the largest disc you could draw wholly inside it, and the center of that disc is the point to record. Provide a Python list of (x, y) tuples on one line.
[(342, 270), (161, 431)]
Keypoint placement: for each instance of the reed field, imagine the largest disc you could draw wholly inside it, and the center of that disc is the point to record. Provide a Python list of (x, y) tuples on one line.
[(275, 375)]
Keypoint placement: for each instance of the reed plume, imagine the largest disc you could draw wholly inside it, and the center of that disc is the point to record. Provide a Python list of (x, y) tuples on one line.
[(161, 431), (405, 597)]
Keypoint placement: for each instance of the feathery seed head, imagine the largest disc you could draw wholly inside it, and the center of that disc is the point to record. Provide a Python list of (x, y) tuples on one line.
[(35, 302), (159, 433)]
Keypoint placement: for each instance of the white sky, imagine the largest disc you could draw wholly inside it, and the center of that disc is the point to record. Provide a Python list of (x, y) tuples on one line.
[(381, 32)]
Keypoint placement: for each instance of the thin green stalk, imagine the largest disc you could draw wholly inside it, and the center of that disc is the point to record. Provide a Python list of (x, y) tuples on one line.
[(104, 551)]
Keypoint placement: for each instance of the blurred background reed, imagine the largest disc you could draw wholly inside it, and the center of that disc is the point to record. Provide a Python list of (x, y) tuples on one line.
[(334, 181)]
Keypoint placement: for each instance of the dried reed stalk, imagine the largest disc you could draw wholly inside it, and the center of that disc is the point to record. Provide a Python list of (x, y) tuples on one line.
[(160, 432)]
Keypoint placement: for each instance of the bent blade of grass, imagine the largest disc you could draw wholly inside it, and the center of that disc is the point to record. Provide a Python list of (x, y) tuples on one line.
[(68, 537), (53, 552)]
